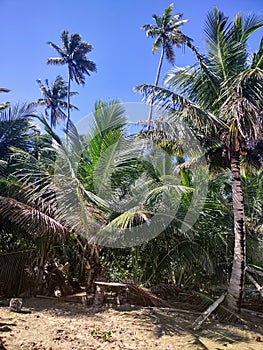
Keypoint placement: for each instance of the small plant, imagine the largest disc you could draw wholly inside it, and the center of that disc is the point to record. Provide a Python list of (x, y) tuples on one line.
[(95, 331), (106, 335)]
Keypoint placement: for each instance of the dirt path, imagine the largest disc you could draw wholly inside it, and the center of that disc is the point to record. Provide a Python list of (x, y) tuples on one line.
[(50, 325)]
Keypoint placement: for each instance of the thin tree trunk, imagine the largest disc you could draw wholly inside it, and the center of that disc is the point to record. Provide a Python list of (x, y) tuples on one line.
[(155, 84), (236, 285), (68, 106)]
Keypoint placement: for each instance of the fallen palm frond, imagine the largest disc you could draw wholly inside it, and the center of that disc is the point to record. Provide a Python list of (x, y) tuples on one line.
[(144, 297)]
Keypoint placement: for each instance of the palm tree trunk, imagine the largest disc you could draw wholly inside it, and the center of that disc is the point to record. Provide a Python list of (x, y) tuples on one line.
[(68, 106), (155, 84), (236, 285)]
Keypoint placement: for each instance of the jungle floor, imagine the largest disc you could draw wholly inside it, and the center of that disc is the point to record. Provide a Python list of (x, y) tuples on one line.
[(48, 324)]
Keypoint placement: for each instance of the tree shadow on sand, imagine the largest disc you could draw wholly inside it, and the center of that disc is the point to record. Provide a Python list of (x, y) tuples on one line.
[(161, 321)]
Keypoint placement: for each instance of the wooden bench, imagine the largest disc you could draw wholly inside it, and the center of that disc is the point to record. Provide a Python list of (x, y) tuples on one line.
[(102, 288)]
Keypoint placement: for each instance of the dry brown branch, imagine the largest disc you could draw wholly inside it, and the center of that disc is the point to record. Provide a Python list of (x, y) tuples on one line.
[(258, 286), (142, 296), (200, 320), (251, 269)]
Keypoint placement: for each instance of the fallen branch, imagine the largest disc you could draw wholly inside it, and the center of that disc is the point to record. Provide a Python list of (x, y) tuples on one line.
[(259, 288), (46, 297), (200, 320), (253, 270), (252, 312), (171, 309), (144, 297)]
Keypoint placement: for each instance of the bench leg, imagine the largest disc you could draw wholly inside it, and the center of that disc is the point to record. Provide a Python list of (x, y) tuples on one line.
[(99, 295), (121, 297)]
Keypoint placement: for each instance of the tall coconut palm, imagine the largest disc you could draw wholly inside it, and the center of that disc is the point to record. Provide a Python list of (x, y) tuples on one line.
[(221, 98), (167, 35), (54, 99), (73, 53)]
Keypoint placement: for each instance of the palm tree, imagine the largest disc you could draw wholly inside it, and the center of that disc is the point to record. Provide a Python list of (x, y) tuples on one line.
[(221, 98), (35, 203), (74, 54), (167, 35), (16, 129), (53, 99), (107, 128)]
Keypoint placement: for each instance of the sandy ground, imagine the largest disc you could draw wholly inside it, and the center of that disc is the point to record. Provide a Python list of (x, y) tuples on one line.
[(53, 325)]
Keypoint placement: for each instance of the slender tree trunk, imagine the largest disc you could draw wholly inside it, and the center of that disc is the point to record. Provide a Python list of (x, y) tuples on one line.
[(236, 285), (68, 106), (155, 84), (92, 267)]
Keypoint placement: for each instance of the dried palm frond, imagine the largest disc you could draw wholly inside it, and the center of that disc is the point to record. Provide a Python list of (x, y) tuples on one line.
[(28, 217), (143, 296), (12, 272)]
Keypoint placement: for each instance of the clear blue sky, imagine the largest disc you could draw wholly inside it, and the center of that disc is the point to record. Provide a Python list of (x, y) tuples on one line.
[(121, 50)]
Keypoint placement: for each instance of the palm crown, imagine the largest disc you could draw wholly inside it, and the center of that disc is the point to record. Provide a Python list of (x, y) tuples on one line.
[(166, 32), (73, 53), (54, 99)]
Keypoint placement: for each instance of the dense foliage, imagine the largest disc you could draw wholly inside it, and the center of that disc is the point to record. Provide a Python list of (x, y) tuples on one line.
[(111, 204)]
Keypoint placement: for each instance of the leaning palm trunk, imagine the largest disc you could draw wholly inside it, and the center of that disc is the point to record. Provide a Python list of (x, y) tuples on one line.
[(68, 107), (155, 84), (236, 285)]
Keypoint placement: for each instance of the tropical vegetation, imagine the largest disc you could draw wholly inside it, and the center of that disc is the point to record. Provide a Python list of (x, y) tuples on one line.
[(220, 97), (140, 207)]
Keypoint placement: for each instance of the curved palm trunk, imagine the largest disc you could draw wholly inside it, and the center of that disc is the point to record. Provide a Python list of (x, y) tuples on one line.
[(236, 285), (68, 106), (155, 84)]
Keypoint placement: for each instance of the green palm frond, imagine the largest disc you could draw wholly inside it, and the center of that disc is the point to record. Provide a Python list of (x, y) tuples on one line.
[(168, 100), (166, 32), (246, 25), (103, 140), (108, 116), (16, 128), (257, 60), (53, 186), (129, 219)]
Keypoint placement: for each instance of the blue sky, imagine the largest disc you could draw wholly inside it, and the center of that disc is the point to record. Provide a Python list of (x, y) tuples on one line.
[(121, 50)]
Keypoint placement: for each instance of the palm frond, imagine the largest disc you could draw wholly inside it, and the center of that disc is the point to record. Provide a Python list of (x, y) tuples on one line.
[(55, 60), (170, 101), (257, 61), (29, 218)]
